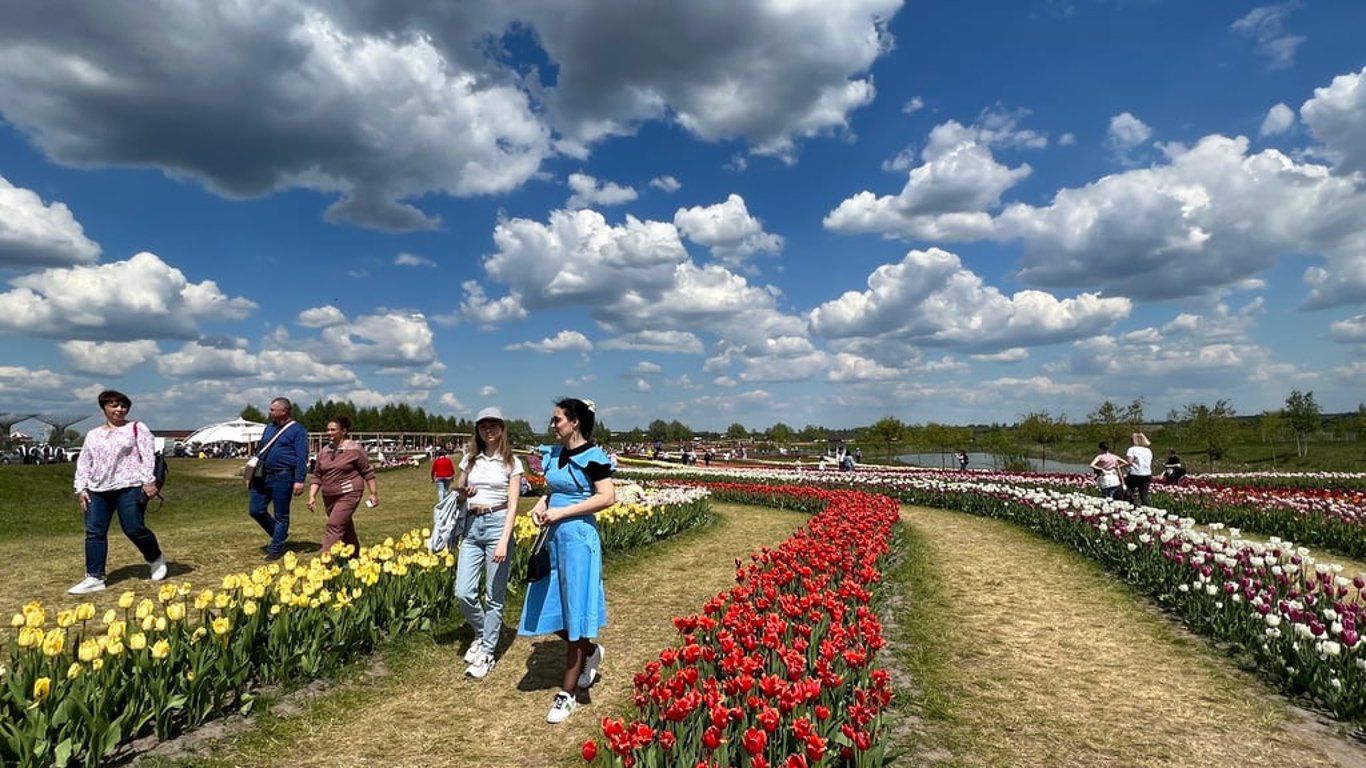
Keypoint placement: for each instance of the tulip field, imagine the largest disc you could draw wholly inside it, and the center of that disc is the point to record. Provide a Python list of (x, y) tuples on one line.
[(78, 685), (785, 668)]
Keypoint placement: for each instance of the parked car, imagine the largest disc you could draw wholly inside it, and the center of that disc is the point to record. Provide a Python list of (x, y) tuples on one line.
[(12, 457)]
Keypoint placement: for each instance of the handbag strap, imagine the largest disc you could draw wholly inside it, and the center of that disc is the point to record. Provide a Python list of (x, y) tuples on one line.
[(263, 451)]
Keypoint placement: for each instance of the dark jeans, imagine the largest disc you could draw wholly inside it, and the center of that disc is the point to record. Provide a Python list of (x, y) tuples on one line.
[(275, 489), (98, 514), (1138, 487)]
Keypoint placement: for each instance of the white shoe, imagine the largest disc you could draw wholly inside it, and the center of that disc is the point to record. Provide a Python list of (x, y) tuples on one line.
[(159, 568), (590, 673), (561, 709), (88, 584), (481, 666), (475, 651)]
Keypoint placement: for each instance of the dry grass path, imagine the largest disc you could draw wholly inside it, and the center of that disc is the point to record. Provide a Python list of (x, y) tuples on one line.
[(423, 712), (1030, 655)]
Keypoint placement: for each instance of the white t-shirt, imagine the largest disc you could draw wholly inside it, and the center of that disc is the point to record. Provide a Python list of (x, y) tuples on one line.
[(489, 477), (1142, 460)]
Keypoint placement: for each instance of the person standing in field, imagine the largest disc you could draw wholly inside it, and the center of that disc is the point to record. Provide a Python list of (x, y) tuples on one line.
[(570, 601), (443, 472), (284, 452), (341, 473), (1172, 469), (1140, 476), (1107, 466), (113, 474), (490, 484)]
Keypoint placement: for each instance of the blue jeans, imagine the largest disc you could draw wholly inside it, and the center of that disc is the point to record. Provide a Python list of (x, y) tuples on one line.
[(278, 489), (100, 512), (476, 559), (443, 487)]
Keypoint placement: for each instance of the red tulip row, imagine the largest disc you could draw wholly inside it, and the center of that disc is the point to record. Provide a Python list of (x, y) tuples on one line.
[(781, 669)]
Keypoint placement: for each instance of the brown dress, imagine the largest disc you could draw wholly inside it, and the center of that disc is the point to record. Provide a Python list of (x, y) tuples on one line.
[(342, 474)]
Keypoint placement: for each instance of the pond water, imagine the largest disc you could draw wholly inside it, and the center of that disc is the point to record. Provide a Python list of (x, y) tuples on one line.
[(987, 461)]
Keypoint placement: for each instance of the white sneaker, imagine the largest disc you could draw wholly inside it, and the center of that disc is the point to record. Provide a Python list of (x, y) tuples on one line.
[(590, 674), (475, 651), (159, 568), (561, 709), (481, 666), (88, 584)]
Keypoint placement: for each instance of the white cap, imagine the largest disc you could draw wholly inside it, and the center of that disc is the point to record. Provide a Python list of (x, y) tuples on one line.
[(489, 413)]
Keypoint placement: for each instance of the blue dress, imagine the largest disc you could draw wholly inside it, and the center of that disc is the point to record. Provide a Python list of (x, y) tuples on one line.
[(571, 597)]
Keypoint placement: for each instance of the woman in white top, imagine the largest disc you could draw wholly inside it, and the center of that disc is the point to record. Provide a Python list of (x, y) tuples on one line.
[(113, 474), (489, 482), (1140, 458)]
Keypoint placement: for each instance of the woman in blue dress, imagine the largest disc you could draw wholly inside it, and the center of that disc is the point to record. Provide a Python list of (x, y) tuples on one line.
[(569, 601)]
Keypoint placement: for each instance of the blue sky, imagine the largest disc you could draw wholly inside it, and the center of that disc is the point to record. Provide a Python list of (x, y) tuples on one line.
[(716, 211)]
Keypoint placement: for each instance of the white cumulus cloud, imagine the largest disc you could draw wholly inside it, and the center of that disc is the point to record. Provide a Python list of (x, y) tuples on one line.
[(38, 234)]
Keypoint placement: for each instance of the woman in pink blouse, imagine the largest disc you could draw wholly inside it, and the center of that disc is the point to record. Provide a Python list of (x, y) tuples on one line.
[(342, 470), (114, 468)]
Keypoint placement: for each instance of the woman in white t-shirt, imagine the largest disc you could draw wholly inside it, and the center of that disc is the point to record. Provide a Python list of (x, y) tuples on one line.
[(1140, 457), (489, 482)]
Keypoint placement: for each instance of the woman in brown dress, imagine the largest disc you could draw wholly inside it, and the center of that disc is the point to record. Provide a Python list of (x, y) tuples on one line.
[(342, 470)]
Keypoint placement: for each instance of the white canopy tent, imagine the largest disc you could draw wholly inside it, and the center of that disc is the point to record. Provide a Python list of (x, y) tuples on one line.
[(236, 431)]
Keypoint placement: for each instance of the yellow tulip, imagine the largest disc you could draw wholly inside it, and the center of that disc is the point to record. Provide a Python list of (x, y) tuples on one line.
[(175, 611), (202, 600), (275, 609), (74, 671), (114, 648), (30, 637), (126, 600), (53, 643), (183, 589), (66, 618), (18, 620), (231, 581), (249, 607), (88, 651), (35, 618), (190, 676), (111, 616), (148, 623), (161, 649), (167, 593), (97, 665), (41, 688), (137, 641), (161, 624), (197, 633), (145, 608), (117, 630), (221, 625), (222, 600), (85, 612)]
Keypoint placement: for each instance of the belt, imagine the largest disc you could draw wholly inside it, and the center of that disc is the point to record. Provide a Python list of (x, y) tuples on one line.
[(481, 511)]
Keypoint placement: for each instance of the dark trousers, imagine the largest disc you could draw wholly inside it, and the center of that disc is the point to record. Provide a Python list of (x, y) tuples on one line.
[(275, 490), (100, 512), (1138, 487)]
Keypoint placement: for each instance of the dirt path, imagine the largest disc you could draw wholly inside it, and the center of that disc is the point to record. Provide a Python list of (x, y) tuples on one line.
[(1048, 661), (424, 712)]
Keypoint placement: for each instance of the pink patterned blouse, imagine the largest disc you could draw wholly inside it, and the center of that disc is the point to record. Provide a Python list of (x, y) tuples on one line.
[(112, 459)]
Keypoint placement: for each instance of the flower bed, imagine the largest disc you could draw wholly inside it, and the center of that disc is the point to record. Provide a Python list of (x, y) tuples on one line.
[(1299, 620), (780, 670), (82, 686)]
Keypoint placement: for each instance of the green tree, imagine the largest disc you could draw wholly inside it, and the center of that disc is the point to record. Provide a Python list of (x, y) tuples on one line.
[(945, 439), (736, 431), (1304, 417), (812, 433), (1113, 424), (1044, 429), (781, 433), (1006, 453), (1211, 427), (1269, 428), (889, 431), (658, 430), (252, 413)]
